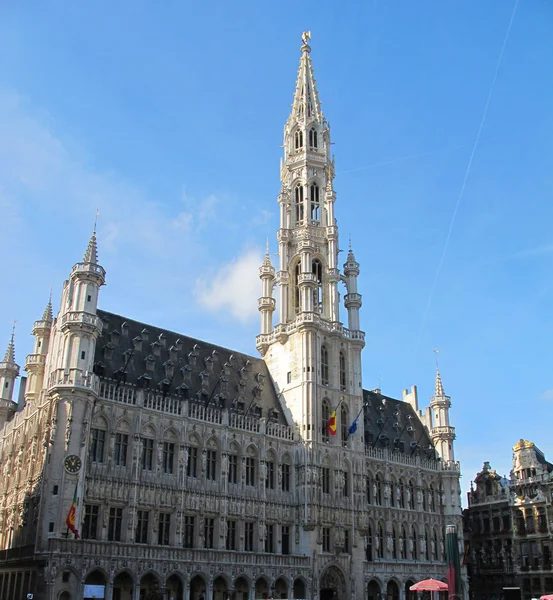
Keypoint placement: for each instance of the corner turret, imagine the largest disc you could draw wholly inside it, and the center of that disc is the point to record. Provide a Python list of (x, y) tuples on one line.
[(9, 372)]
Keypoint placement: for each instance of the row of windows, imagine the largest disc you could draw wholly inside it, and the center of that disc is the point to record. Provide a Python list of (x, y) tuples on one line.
[(314, 203), (403, 543), (325, 372), (400, 495), (313, 139), (196, 532)]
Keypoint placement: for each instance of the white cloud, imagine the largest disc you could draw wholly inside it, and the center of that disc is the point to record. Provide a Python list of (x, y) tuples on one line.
[(547, 395), (233, 288)]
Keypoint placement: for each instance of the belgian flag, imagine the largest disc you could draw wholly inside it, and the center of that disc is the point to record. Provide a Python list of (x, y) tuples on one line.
[(71, 520)]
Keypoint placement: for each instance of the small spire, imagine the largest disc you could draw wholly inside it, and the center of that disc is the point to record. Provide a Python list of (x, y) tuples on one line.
[(48, 314), (91, 254), (438, 387), (9, 357), (96, 220), (267, 260)]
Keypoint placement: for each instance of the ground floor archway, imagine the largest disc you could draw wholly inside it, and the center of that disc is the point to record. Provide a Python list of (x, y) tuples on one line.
[(392, 590), (123, 586), (198, 588), (280, 589), (373, 590), (94, 585), (220, 589), (150, 588), (241, 589), (299, 589), (174, 588), (332, 585), (261, 588), (409, 595)]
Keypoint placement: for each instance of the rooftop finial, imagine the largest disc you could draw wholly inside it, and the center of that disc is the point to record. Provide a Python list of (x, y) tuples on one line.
[(350, 242), (267, 247), (305, 37), (9, 357), (436, 352), (96, 220)]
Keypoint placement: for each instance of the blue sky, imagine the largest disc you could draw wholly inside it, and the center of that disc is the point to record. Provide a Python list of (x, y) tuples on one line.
[(168, 117)]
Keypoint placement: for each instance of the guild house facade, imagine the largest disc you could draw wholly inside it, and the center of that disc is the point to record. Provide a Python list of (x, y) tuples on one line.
[(509, 527), (200, 473)]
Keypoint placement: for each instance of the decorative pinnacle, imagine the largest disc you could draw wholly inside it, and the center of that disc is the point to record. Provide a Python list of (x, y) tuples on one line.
[(9, 357), (267, 259), (48, 314), (91, 254), (438, 387)]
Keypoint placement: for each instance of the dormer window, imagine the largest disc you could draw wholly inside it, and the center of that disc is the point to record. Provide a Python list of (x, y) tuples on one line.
[(150, 362), (298, 140), (313, 142), (156, 349), (145, 334)]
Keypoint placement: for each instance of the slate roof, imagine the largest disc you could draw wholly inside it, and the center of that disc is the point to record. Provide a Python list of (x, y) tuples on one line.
[(177, 365), (394, 424)]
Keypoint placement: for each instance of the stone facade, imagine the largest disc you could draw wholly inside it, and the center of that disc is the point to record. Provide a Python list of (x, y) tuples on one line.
[(508, 527), (204, 473)]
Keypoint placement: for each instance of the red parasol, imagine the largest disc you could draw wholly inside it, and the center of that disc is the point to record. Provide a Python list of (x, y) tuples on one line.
[(547, 597), (431, 585)]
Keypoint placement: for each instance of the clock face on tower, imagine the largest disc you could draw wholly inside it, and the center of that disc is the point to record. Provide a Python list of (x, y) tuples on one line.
[(72, 463)]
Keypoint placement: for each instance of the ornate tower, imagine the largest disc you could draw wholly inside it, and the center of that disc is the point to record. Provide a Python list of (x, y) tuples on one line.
[(442, 435), (9, 372), (36, 362), (314, 360)]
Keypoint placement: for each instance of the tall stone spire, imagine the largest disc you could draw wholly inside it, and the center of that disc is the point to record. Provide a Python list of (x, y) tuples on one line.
[(9, 372), (306, 98)]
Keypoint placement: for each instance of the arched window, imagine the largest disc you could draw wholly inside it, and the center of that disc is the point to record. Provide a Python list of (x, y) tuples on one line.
[(325, 416), (298, 139), (411, 495), (424, 506), (401, 495), (403, 543), (380, 545), (296, 288), (427, 545), (369, 490), (313, 138), (342, 371), (393, 493), (344, 423), (432, 499), (369, 549), (314, 198), (317, 269), (324, 365), (298, 199)]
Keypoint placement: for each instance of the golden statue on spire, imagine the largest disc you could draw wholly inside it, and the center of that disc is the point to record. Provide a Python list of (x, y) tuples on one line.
[(305, 37)]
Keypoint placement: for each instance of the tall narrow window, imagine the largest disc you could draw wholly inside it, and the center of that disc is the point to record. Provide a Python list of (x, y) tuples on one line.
[(342, 371), (192, 466), (285, 539), (313, 138), (324, 366), (325, 416), (90, 522), (209, 527), (189, 527), (317, 269), (345, 491), (326, 539), (270, 539), (248, 536), (164, 526), (296, 288), (168, 457), (141, 534), (250, 470), (231, 535), (232, 468), (326, 480), (415, 545), (211, 464), (298, 198), (285, 477), (315, 206), (344, 424), (97, 441), (147, 454), (378, 490), (114, 525), (369, 548), (121, 445), (298, 139)]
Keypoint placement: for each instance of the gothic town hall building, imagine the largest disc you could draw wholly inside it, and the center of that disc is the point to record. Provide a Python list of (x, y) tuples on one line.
[(201, 473)]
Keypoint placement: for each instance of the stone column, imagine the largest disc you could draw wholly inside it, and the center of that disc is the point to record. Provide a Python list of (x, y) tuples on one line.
[(109, 590), (187, 590), (136, 591)]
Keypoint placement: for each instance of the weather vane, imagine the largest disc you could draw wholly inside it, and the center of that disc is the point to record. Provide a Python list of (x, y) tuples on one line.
[(436, 351), (96, 219), (305, 37)]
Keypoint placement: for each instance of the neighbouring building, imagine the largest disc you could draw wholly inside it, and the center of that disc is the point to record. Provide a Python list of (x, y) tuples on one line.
[(508, 527), (202, 473)]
